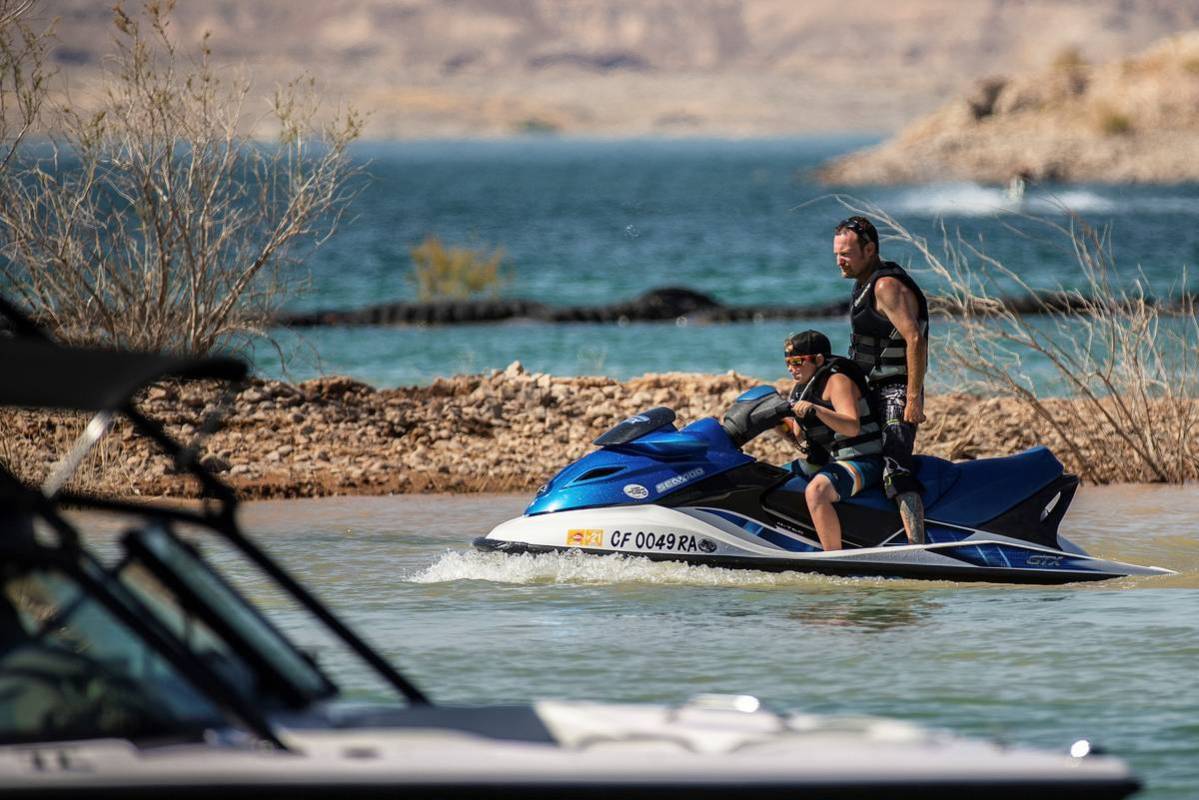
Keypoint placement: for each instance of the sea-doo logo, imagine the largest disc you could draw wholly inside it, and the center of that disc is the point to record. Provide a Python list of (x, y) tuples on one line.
[(1041, 560), (707, 545), (678, 480), (636, 491), (636, 419)]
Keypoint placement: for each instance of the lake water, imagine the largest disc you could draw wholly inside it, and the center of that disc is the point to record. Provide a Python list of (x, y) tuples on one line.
[(1114, 662), (597, 221)]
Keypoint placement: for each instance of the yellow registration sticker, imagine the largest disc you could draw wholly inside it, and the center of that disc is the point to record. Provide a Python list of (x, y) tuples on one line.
[(585, 537)]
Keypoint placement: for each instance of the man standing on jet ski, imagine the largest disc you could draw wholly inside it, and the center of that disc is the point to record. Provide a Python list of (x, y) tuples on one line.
[(832, 402), (889, 320)]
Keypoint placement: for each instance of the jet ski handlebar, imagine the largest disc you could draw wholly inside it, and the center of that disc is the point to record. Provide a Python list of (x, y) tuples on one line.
[(754, 413)]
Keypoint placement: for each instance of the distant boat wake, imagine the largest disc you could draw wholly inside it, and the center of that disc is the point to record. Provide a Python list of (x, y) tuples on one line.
[(968, 199)]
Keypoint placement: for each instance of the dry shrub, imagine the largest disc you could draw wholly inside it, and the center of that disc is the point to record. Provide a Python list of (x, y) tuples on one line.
[(1111, 122), (455, 272), (1072, 67), (1069, 59), (1130, 367), (155, 221), (23, 77)]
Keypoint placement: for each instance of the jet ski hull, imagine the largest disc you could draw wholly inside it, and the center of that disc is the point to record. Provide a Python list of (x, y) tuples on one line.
[(693, 495), (717, 538)]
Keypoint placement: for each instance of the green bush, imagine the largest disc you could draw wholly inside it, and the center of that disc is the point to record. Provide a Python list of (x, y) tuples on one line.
[(1114, 123), (442, 272), (1069, 59), (537, 125)]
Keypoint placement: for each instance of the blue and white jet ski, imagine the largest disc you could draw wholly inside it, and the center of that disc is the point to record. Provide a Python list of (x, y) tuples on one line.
[(692, 495)]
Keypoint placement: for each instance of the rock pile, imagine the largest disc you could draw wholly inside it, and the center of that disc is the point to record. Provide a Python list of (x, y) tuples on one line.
[(504, 431)]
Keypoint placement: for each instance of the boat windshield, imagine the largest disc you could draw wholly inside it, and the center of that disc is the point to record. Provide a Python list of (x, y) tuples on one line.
[(216, 623), (71, 669)]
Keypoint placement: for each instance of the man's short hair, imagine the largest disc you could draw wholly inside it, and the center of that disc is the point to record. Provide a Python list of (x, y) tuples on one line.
[(863, 227)]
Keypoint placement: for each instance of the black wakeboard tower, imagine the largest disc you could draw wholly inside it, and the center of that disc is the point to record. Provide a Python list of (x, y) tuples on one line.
[(48, 375)]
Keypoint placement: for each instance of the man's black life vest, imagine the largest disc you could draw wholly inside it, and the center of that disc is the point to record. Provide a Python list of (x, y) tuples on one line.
[(869, 439), (874, 344)]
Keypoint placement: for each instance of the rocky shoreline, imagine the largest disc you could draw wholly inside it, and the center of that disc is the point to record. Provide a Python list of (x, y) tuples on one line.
[(504, 431)]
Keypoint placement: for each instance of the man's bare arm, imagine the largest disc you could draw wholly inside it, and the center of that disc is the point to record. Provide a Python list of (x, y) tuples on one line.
[(901, 308)]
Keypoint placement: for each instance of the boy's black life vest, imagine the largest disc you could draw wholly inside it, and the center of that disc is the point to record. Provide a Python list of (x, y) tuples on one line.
[(869, 439), (874, 344)]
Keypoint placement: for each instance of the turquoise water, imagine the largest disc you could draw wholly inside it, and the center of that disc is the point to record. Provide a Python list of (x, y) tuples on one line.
[(591, 221), (1113, 662)]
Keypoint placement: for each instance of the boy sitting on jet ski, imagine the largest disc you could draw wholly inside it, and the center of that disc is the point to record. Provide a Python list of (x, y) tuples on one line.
[(835, 420)]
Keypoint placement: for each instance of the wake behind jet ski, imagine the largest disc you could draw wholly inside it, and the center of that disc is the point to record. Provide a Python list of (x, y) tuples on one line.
[(692, 495)]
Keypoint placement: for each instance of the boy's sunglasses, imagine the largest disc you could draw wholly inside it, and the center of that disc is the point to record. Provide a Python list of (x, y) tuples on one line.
[(799, 361)]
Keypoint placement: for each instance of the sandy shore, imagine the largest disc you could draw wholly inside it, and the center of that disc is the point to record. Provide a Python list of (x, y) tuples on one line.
[(505, 431)]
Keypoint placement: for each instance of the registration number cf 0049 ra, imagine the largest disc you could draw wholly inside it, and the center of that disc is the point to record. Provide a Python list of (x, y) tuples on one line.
[(648, 540)]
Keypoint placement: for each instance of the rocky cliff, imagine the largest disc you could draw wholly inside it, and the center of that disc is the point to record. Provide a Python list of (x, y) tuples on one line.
[(1131, 120)]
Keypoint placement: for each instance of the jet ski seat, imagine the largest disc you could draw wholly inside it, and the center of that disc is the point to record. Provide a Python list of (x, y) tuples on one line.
[(989, 487), (937, 475), (969, 492)]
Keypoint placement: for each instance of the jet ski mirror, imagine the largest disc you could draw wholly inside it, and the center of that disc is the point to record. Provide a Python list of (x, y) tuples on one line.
[(754, 413)]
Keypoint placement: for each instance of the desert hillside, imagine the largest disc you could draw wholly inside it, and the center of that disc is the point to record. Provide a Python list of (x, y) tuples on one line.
[(1129, 120), (634, 67)]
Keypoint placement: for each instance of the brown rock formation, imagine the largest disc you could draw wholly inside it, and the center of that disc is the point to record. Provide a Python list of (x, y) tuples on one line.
[(1133, 120)]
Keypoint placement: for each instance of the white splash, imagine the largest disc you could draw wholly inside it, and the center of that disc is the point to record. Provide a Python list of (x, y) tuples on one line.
[(576, 567), (1080, 201), (978, 200), (955, 199)]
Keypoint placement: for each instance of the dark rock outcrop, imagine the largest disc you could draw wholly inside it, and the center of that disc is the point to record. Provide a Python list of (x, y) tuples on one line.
[(660, 305)]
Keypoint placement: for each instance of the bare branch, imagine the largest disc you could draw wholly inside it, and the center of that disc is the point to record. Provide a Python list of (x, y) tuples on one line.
[(165, 226)]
